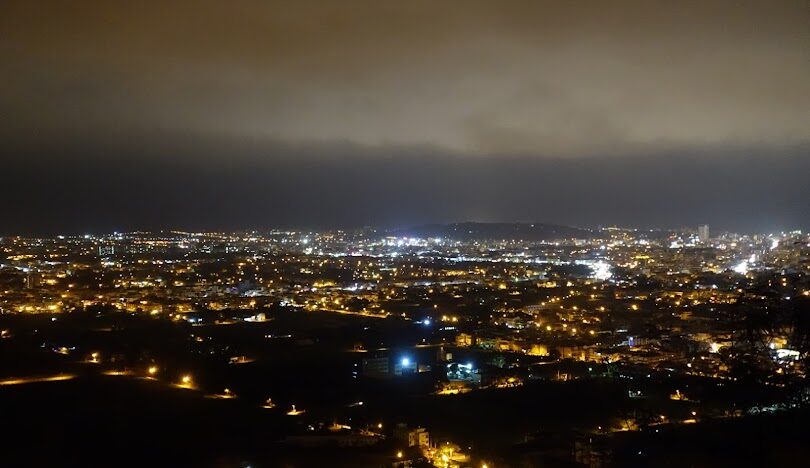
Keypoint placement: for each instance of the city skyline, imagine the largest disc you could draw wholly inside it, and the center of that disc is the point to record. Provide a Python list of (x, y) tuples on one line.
[(459, 346), (405, 234)]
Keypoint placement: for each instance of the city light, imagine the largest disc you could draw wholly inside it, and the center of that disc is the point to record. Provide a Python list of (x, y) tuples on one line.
[(29, 380), (529, 314), (513, 233), (186, 382), (601, 270), (741, 268)]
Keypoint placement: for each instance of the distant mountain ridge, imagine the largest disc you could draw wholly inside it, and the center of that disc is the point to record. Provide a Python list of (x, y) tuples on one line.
[(490, 231)]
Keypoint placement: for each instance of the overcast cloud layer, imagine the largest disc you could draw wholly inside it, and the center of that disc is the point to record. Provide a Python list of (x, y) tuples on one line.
[(512, 110), (540, 77)]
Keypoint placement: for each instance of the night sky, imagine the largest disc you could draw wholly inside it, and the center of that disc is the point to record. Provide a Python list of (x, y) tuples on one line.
[(256, 114)]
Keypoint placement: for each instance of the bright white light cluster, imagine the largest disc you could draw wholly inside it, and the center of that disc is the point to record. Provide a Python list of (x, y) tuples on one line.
[(601, 270)]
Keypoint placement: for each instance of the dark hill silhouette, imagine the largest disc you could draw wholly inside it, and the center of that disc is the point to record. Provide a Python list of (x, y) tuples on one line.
[(513, 231)]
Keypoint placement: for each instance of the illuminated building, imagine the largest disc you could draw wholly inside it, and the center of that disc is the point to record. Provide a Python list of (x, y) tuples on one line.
[(703, 233)]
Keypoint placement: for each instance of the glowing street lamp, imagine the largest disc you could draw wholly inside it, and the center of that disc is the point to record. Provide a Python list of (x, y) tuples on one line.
[(186, 381)]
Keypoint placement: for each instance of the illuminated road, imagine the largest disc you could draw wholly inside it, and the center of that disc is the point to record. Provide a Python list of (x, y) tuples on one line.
[(349, 312), (29, 380)]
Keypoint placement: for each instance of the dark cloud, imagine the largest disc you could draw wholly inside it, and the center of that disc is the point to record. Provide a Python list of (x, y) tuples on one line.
[(119, 115), (209, 184)]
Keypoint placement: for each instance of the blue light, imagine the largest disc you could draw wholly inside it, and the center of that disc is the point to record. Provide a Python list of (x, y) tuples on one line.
[(426, 322), (406, 362)]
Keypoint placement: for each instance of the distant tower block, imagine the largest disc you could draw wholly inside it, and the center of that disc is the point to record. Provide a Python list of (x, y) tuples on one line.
[(703, 233), (32, 280)]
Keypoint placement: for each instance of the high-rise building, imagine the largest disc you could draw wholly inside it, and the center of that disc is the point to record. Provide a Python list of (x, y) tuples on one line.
[(703, 233), (32, 280)]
